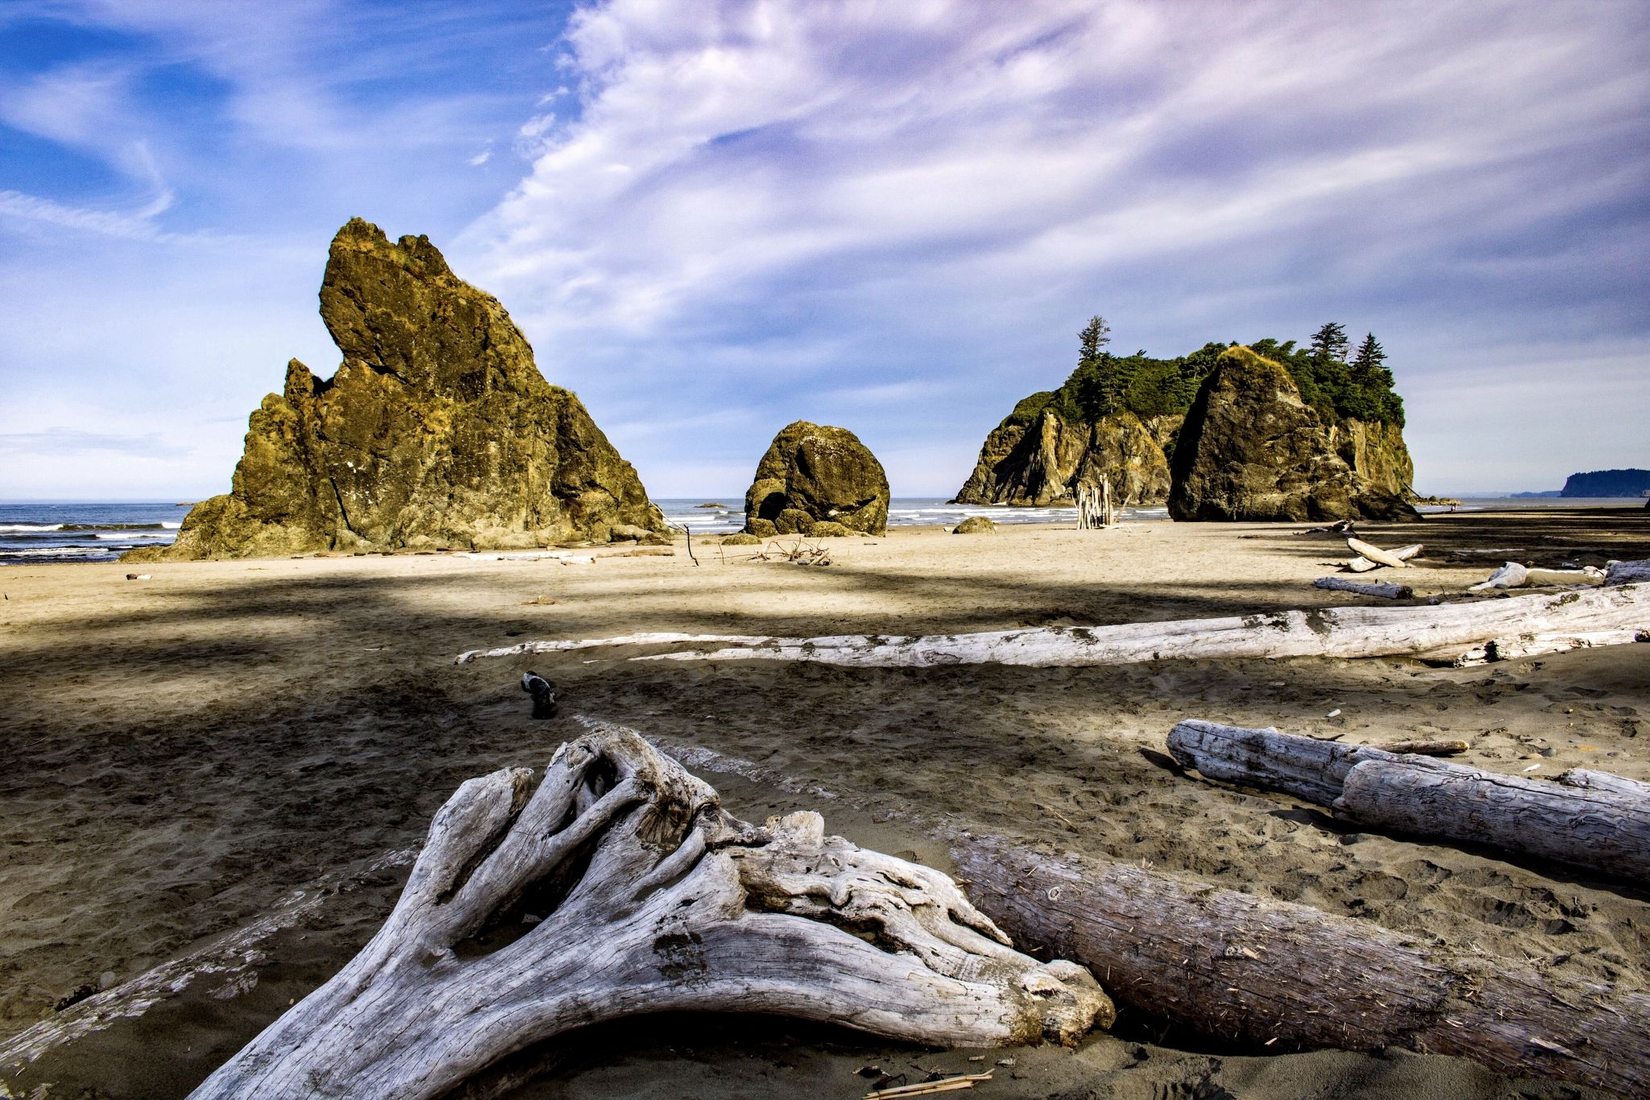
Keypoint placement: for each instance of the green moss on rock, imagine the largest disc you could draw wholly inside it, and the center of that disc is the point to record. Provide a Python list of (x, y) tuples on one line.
[(812, 473)]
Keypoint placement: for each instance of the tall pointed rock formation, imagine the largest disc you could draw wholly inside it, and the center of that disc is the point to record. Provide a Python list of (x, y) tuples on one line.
[(437, 431)]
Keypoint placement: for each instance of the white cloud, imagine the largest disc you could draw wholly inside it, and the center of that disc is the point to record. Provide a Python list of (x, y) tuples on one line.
[(949, 188), (740, 212)]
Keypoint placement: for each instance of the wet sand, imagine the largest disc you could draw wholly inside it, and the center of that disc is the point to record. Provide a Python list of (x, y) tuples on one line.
[(185, 752)]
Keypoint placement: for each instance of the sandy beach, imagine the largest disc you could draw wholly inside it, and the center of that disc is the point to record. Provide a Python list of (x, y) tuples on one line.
[(185, 752)]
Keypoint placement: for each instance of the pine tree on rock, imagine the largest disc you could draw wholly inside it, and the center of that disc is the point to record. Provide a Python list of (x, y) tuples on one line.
[(1368, 360), (1329, 344)]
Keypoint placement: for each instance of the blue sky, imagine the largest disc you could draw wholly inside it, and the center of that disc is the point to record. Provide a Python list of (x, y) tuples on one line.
[(712, 218)]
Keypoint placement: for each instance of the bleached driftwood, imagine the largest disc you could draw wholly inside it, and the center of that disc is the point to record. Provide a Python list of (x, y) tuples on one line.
[(1603, 830), (1627, 572), (1383, 589), (1371, 552), (1515, 575), (1234, 966), (1095, 509), (1326, 632), (1238, 967), (1361, 564), (1605, 781), (1541, 645), (620, 886), (663, 637)]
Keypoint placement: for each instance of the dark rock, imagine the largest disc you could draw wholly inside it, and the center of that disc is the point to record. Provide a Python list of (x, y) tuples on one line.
[(830, 529), (793, 521), (543, 693), (1035, 458), (740, 538), (1251, 449), (975, 525), (436, 431), (621, 532), (814, 472)]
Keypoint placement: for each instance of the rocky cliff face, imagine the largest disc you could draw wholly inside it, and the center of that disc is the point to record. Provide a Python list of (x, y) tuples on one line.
[(1251, 449), (814, 475), (1377, 454), (437, 431), (1034, 457)]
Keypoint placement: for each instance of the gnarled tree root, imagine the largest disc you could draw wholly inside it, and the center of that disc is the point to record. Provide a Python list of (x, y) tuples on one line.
[(620, 886)]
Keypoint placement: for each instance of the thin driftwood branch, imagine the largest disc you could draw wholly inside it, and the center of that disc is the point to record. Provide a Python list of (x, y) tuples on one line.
[(618, 886), (1426, 747)]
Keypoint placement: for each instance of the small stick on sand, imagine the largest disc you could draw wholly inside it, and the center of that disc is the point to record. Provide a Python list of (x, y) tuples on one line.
[(1426, 748), (923, 1088)]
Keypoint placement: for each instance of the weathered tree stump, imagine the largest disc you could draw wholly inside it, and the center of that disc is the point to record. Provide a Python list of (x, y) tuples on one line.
[(1598, 823), (620, 886)]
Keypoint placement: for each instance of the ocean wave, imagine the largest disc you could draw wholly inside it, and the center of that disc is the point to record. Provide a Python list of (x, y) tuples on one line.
[(112, 526), (59, 553), (28, 528)]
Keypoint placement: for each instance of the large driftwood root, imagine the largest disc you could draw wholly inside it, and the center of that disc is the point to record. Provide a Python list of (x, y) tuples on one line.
[(1596, 821), (620, 886), (1232, 965)]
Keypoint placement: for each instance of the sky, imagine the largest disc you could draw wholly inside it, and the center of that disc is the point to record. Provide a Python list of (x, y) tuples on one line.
[(713, 217)]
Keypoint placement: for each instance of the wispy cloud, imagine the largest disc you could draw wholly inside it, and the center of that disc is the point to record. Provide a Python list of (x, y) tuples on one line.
[(952, 187), (713, 218)]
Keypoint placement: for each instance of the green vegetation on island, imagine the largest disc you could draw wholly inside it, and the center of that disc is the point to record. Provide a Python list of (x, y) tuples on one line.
[(1117, 418), (1338, 387)]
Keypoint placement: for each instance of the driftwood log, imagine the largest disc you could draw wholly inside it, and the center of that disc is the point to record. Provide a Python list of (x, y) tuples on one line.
[(1238, 967), (1384, 589), (1598, 826), (1517, 575), (619, 886), (1449, 628), (1627, 572), (1541, 644), (1361, 564), (1234, 966), (1370, 552)]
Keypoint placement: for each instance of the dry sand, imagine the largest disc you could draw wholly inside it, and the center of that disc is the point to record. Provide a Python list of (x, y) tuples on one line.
[(182, 753)]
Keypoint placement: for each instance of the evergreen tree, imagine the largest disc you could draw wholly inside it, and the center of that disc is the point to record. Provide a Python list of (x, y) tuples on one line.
[(1329, 344), (1368, 359), (1095, 335)]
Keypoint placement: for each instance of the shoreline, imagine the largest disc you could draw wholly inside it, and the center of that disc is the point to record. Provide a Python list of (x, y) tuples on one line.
[(194, 747)]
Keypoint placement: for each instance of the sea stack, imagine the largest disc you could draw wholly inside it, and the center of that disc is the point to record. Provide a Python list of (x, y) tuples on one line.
[(436, 432), (1252, 449), (817, 480), (1036, 457)]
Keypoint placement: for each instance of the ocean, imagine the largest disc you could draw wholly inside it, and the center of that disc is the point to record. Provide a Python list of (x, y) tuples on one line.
[(52, 531), (56, 531)]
